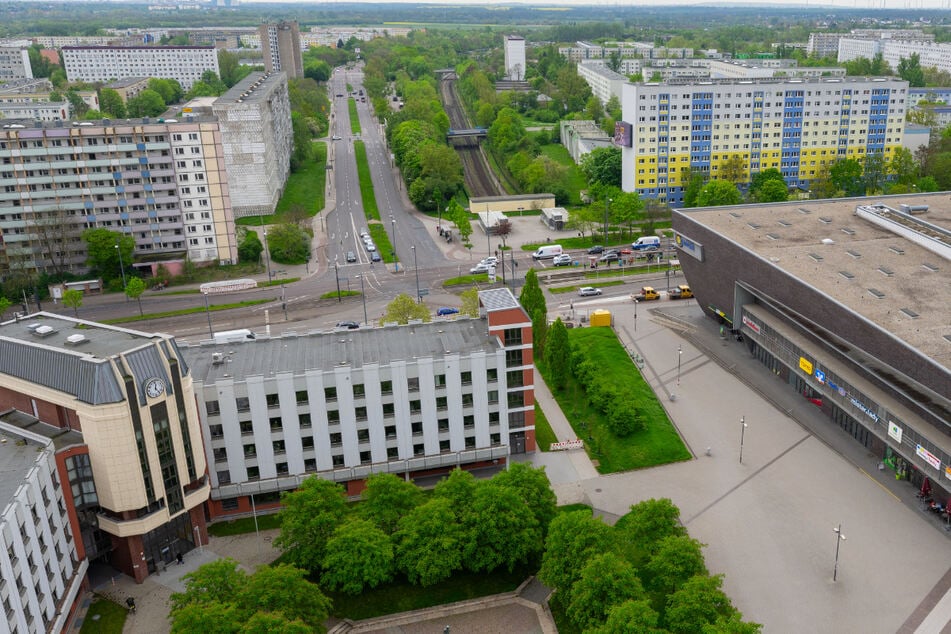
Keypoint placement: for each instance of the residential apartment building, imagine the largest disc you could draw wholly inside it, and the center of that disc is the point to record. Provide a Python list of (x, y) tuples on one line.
[(41, 572), (184, 64), (823, 44), (853, 48), (411, 400), (798, 126), (257, 141), (761, 68), (162, 183), (280, 43), (580, 137), (35, 110), (120, 408), (129, 87), (604, 82), (930, 54), (828, 44), (514, 57), (15, 64), (930, 95)]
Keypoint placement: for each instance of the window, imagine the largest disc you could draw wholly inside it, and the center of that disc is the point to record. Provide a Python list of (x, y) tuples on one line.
[(282, 469), (216, 431), (386, 387), (307, 442), (467, 400), (278, 446), (330, 393), (415, 407), (443, 424), (365, 457), (440, 380), (442, 402), (254, 473), (443, 446), (418, 450), (390, 431), (336, 440), (493, 396), (337, 460), (221, 454), (272, 400), (513, 337), (392, 453), (212, 408), (388, 410), (492, 375), (247, 428), (275, 423), (333, 416), (470, 442), (516, 399), (515, 378), (413, 383), (516, 419), (468, 421), (250, 451), (229, 504), (301, 396), (361, 413), (243, 404), (493, 418), (466, 378), (304, 420), (310, 464), (417, 429), (359, 391), (363, 435)]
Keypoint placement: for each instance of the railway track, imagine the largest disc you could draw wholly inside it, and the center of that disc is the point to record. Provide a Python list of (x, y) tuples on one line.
[(480, 180)]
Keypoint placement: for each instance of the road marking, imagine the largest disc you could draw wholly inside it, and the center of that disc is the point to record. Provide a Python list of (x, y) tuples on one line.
[(882, 486)]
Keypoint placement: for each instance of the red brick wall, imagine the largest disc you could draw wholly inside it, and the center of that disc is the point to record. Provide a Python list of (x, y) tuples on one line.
[(47, 412), (68, 495)]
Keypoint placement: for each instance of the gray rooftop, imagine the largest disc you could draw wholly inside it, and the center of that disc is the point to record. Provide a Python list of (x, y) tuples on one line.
[(890, 280), (17, 457), (253, 88), (497, 299), (324, 351)]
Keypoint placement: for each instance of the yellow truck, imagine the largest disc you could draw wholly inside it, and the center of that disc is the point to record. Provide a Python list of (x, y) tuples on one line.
[(681, 292), (647, 293)]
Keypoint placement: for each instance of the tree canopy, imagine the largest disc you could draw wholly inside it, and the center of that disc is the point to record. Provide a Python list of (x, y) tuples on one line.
[(403, 308)]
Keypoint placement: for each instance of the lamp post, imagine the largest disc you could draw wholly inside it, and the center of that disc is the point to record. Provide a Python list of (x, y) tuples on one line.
[(680, 354), (416, 270), (607, 209), (121, 268), (743, 427), (364, 295), (635, 317), (393, 240), (267, 257), (337, 278), (839, 537), (211, 332)]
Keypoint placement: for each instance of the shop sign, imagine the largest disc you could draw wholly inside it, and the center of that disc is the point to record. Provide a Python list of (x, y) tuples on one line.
[(820, 376), (805, 365), (928, 457), (894, 431), (752, 325), (947, 472), (865, 410), (688, 246)]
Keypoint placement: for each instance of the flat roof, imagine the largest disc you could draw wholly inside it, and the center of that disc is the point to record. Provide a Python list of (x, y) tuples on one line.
[(99, 340), (253, 88), (325, 351), (891, 280), (17, 457), (498, 299)]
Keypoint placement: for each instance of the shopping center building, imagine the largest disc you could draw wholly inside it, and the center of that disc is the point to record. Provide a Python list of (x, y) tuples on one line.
[(848, 301)]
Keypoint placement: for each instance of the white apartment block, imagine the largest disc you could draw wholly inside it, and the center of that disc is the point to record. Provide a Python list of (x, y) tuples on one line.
[(854, 48), (604, 82), (930, 54), (15, 64), (580, 137), (257, 141), (798, 126), (186, 64), (514, 57), (755, 69), (412, 400), (281, 46), (60, 41), (40, 572), (35, 110), (823, 44), (136, 177)]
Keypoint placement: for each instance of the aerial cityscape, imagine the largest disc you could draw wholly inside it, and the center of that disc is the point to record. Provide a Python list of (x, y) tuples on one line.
[(475, 317)]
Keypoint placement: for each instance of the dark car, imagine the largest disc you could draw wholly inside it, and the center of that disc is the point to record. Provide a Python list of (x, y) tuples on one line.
[(611, 256), (375, 257), (351, 256), (595, 250), (349, 325), (447, 310)]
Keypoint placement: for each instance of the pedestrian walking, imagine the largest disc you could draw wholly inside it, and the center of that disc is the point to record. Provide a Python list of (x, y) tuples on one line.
[(180, 559)]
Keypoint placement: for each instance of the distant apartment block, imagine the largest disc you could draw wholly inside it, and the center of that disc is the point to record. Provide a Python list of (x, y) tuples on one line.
[(34, 110), (129, 87), (186, 64), (162, 183), (761, 68), (604, 82), (280, 43), (798, 126), (930, 95), (514, 57), (257, 141), (15, 64), (580, 137), (823, 44)]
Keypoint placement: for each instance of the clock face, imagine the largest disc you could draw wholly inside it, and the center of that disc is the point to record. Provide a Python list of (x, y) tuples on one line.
[(154, 388)]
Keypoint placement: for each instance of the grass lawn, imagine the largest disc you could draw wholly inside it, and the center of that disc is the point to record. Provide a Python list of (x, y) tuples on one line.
[(111, 617), (343, 293), (544, 434), (354, 117), (401, 596), (366, 182), (568, 289), (658, 444), (574, 181), (382, 241), (244, 525), (186, 311), (304, 190), (474, 278)]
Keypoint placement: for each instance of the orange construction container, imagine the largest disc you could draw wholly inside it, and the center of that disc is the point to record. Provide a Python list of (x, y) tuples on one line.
[(601, 317)]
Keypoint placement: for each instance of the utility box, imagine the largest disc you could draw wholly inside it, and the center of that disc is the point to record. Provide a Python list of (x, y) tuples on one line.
[(601, 317)]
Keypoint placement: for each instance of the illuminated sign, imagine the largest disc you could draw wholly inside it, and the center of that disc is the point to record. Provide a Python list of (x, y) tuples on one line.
[(752, 325), (688, 246), (894, 431), (805, 365), (623, 134), (929, 457)]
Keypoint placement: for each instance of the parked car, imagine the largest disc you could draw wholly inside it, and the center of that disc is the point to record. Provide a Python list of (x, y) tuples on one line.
[(595, 250), (585, 291), (561, 260), (351, 256), (349, 325), (447, 310), (371, 247), (375, 257), (610, 256), (336, 138), (489, 261), (480, 268)]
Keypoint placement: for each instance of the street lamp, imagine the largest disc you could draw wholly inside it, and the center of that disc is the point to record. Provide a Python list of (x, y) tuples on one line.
[(680, 354), (121, 268), (393, 240), (364, 295), (211, 332), (743, 427), (607, 209), (267, 257), (416, 269), (337, 277), (839, 537)]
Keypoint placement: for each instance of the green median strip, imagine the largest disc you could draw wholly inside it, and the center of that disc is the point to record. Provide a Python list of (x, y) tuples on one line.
[(186, 311), (568, 289)]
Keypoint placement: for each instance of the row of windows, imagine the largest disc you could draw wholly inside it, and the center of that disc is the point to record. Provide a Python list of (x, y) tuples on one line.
[(766, 94)]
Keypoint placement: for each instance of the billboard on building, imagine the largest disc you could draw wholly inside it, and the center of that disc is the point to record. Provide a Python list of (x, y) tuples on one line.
[(623, 134)]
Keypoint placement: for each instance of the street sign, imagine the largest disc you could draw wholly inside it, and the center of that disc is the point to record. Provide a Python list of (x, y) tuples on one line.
[(423, 291)]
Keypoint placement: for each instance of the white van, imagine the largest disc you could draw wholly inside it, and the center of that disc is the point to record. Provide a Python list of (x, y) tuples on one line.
[(234, 336), (547, 251), (646, 243)]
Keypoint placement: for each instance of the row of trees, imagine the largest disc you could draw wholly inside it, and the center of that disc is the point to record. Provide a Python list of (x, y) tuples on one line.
[(467, 524)]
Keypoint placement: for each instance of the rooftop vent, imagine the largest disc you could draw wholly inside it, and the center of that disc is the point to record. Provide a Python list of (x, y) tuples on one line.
[(897, 250), (914, 209), (772, 236), (76, 339), (877, 294), (825, 220), (887, 272), (930, 267), (816, 257), (828, 241), (910, 313), (847, 275), (785, 223), (32, 327), (803, 210), (734, 214), (43, 331), (752, 225), (848, 232), (854, 254), (217, 358)]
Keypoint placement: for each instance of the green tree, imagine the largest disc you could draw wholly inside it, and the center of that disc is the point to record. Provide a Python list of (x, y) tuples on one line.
[(502, 532), (73, 298), (716, 193), (531, 298), (910, 70), (459, 488), (694, 183), (558, 355), (5, 305), (760, 178), (79, 107), (603, 165), (605, 582), (470, 302), (217, 582), (386, 499), (593, 109), (532, 486), (772, 192), (111, 103), (318, 70), (403, 308), (676, 559), (873, 172), (270, 623), (539, 333), (288, 244), (308, 520), (699, 602), (284, 590), (134, 290), (303, 146), (213, 618), (634, 616), (903, 166), (429, 543), (733, 170), (846, 175), (574, 538), (460, 218), (169, 89), (359, 555), (147, 103), (648, 522), (249, 245), (230, 67)]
